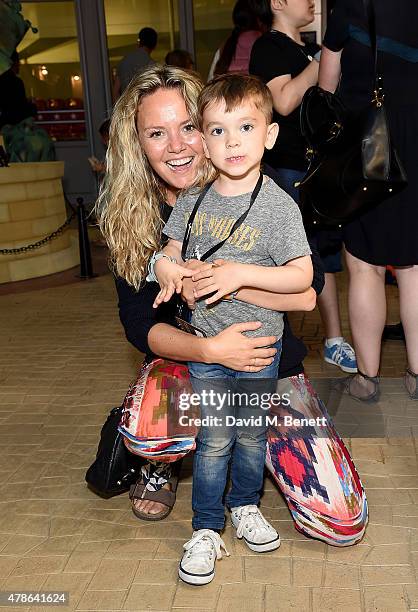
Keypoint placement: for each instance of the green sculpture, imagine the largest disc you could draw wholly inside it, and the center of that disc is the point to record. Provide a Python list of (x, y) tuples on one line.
[(13, 27), (23, 140)]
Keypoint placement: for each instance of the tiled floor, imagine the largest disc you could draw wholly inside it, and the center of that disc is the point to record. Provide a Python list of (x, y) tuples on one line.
[(64, 362)]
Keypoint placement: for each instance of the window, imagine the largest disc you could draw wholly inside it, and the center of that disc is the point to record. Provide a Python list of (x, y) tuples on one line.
[(125, 18), (50, 69), (212, 24)]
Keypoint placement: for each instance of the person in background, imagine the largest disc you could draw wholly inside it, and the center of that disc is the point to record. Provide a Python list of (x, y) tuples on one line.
[(97, 165), (14, 106), (234, 55), (179, 58), (135, 61), (387, 234), (289, 67)]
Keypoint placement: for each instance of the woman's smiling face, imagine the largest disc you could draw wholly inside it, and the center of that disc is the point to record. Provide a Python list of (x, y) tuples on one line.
[(168, 138)]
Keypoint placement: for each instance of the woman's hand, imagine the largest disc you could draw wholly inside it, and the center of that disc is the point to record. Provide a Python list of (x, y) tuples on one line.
[(233, 350), (222, 278), (187, 291)]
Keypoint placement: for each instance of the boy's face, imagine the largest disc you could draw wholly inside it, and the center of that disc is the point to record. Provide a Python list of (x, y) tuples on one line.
[(235, 141)]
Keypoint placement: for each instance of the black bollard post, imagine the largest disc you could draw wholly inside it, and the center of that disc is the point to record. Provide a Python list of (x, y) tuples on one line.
[(4, 157), (86, 268)]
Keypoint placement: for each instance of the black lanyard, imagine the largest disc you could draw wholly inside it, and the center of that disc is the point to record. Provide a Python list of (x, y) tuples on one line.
[(236, 225)]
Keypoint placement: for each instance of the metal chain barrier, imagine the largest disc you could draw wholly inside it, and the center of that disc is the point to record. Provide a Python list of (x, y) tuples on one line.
[(43, 241)]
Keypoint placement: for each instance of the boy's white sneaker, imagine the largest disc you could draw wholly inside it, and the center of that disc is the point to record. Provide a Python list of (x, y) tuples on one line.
[(251, 525), (197, 565)]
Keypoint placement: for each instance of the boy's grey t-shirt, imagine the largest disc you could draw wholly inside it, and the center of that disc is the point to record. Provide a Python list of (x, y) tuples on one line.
[(271, 235)]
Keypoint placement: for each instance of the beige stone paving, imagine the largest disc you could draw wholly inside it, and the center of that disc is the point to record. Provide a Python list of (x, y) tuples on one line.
[(64, 362)]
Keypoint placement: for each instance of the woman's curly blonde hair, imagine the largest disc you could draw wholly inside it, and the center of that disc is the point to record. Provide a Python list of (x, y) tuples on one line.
[(129, 204)]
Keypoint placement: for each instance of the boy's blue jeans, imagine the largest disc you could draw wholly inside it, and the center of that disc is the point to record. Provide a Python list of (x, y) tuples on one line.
[(215, 445)]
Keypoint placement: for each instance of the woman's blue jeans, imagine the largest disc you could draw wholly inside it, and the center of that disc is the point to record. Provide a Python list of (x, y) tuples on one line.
[(217, 444)]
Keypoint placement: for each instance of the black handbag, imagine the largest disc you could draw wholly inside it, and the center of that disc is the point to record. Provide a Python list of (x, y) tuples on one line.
[(115, 469), (353, 164)]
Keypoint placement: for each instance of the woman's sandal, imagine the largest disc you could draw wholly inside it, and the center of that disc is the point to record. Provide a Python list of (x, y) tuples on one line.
[(414, 394), (150, 487), (369, 398)]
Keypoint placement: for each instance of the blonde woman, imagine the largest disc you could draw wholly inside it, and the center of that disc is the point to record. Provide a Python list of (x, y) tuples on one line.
[(155, 151)]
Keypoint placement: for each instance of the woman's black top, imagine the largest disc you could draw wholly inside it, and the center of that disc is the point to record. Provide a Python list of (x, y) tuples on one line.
[(275, 54), (138, 316)]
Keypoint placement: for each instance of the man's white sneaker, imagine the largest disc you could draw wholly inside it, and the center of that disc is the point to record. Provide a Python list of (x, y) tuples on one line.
[(251, 525), (197, 565)]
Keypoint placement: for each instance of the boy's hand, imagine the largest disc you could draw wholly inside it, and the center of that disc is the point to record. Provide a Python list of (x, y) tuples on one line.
[(187, 291), (222, 278), (169, 276)]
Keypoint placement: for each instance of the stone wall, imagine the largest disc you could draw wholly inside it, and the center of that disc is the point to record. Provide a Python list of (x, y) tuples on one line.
[(31, 207)]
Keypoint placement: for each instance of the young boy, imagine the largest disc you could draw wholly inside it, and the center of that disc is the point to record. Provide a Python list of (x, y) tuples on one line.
[(246, 219)]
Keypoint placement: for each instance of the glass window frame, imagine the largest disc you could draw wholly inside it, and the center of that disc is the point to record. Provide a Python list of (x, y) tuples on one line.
[(23, 2)]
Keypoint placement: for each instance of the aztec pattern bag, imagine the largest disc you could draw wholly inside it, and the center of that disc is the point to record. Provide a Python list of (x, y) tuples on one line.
[(152, 411)]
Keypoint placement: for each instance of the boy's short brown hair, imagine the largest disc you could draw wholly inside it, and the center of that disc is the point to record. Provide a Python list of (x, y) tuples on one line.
[(233, 89)]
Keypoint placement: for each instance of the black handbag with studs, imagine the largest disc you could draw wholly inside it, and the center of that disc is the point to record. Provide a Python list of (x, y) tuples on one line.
[(115, 469), (353, 164)]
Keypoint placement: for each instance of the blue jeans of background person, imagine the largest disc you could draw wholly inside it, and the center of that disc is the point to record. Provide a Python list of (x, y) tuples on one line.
[(215, 445), (287, 178), (328, 242)]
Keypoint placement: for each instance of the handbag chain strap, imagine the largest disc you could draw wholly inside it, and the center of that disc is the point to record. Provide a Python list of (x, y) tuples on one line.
[(332, 100), (378, 94)]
